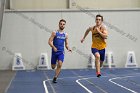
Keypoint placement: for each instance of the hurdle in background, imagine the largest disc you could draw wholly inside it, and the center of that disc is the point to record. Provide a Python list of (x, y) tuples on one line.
[(43, 62), (131, 60), (18, 63)]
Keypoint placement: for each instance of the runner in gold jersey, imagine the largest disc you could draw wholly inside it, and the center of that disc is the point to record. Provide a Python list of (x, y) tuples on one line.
[(99, 36)]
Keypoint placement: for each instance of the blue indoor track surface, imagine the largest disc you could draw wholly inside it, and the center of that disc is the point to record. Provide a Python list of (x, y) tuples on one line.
[(115, 80)]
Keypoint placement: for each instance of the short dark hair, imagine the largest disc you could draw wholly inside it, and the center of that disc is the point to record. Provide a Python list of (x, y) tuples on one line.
[(100, 16), (62, 20)]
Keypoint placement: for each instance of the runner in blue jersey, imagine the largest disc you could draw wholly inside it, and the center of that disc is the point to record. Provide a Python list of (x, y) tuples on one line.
[(56, 41)]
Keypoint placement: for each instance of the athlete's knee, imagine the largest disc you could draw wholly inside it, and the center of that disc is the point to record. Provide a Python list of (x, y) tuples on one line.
[(59, 65), (97, 57)]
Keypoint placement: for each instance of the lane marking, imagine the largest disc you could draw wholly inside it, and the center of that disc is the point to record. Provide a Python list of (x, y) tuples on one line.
[(111, 80), (77, 81), (46, 89), (89, 91), (45, 86)]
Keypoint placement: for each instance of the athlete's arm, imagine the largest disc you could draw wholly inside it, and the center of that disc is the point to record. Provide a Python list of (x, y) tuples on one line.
[(50, 41), (86, 33), (66, 43), (103, 32)]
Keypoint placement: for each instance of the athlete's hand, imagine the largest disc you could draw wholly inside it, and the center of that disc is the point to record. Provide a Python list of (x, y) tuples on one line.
[(55, 49), (82, 40), (98, 29)]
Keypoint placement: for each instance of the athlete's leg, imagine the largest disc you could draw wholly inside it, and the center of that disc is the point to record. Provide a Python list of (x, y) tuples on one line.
[(58, 69), (102, 56), (53, 60), (97, 61), (59, 65)]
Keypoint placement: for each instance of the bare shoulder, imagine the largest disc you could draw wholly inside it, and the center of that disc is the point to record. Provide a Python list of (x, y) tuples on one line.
[(54, 33), (66, 35), (103, 27), (91, 28)]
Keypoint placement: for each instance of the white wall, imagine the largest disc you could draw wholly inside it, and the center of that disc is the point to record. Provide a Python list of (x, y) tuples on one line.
[(29, 38), (38, 4), (101, 4), (64, 4)]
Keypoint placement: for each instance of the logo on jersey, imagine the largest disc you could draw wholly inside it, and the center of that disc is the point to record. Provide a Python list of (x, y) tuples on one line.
[(61, 37)]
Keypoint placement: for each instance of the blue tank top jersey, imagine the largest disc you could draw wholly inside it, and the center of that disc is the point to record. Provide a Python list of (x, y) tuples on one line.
[(59, 40)]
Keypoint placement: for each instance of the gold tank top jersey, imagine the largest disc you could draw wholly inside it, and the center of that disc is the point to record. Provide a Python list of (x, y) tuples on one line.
[(97, 41)]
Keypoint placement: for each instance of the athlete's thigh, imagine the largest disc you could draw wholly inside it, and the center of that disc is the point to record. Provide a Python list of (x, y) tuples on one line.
[(61, 57), (53, 59), (102, 55), (95, 52)]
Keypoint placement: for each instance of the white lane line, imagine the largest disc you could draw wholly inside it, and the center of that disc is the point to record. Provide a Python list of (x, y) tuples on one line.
[(77, 81), (110, 80), (46, 89), (89, 91), (45, 86)]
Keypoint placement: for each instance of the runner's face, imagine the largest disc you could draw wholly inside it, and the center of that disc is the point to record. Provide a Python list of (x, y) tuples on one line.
[(62, 25), (98, 21)]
